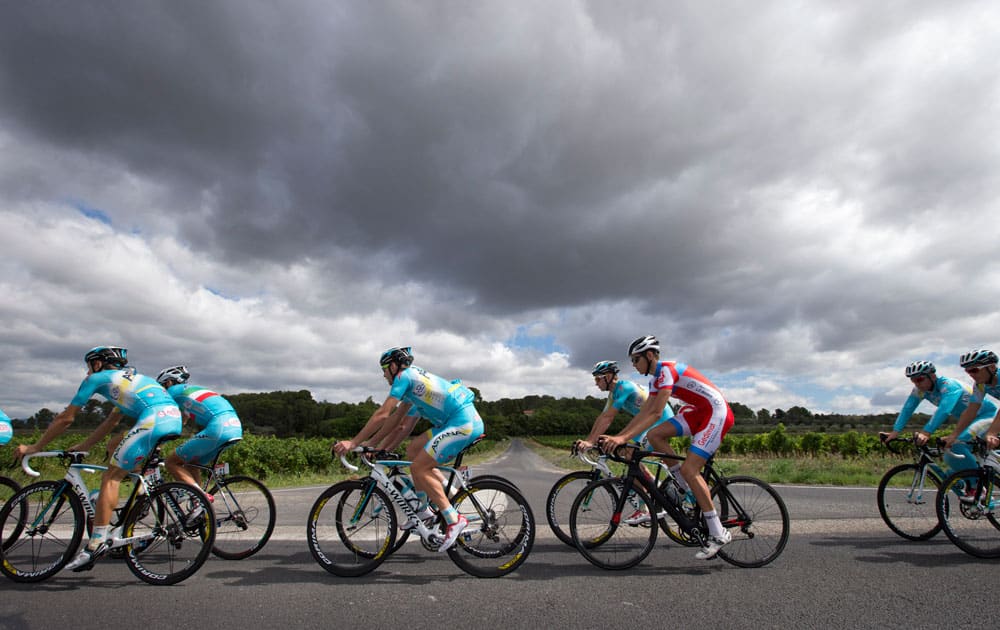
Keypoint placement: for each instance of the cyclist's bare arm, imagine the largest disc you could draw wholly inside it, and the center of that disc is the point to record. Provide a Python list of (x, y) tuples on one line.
[(57, 427), (649, 413), (371, 427), (968, 415), (601, 424), (102, 430), (387, 437)]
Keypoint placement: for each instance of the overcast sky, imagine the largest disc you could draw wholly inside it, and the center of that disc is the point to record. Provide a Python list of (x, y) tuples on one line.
[(796, 198)]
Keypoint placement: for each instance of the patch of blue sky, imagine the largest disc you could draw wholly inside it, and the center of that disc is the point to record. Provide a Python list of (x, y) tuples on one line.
[(91, 213), (221, 294), (522, 339)]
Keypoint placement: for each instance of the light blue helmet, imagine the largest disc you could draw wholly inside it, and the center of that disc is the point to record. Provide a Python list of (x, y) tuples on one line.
[(604, 367), (977, 357), (402, 356), (109, 355)]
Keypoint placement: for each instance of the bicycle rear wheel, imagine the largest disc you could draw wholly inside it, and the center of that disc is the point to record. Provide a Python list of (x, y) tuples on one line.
[(969, 507), (244, 517), (8, 488), (351, 528), (907, 499), (173, 531), (756, 517), (49, 520), (501, 530), (560, 501), (609, 538)]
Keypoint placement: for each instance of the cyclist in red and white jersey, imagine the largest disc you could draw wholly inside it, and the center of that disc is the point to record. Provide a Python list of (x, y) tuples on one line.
[(705, 417)]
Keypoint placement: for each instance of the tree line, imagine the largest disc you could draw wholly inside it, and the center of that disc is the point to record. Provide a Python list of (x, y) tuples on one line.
[(297, 414)]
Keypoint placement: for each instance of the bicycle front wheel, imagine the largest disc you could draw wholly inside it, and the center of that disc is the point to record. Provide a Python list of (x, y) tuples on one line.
[(969, 506), (49, 522), (560, 501), (907, 499), (756, 518), (244, 517), (8, 488), (501, 530), (609, 536), (351, 528), (171, 533)]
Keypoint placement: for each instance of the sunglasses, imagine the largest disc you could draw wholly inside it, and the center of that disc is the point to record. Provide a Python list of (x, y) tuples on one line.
[(974, 369), (635, 358)]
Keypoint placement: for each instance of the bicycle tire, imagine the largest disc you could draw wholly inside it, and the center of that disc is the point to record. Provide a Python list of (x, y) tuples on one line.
[(602, 535), (909, 509), (351, 528), (971, 522), (756, 517), (244, 516), (8, 488), (501, 530), (559, 502), (51, 520), (173, 544)]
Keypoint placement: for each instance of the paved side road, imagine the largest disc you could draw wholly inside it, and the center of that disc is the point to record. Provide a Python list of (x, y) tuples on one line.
[(840, 575)]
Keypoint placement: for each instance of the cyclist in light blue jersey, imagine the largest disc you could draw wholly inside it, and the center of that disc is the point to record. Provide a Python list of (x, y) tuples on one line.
[(951, 399), (624, 396), (981, 365), (215, 418), (6, 428), (135, 396), (455, 423)]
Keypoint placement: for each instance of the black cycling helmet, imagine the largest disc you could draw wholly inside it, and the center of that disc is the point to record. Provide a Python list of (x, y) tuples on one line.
[(402, 356), (977, 357), (109, 355), (604, 367), (178, 374)]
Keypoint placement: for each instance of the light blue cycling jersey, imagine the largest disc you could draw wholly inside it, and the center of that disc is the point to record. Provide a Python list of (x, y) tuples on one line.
[(203, 405), (629, 396), (979, 391), (432, 397), (6, 428), (131, 392), (951, 398)]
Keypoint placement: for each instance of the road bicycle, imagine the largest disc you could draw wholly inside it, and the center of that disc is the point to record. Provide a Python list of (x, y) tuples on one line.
[(560, 498), (352, 526), (907, 494), (750, 509), (244, 509), (165, 530), (969, 504), (8, 488), (395, 470)]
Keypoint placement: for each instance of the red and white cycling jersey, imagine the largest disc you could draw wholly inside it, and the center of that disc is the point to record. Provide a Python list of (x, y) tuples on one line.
[(705, 416)]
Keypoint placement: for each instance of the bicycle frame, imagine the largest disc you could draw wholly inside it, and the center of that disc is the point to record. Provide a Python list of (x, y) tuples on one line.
[(688, 525), (144, 483), (381, 474)]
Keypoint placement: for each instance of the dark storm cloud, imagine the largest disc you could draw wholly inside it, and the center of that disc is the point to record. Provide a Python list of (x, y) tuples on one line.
[(750, 181)]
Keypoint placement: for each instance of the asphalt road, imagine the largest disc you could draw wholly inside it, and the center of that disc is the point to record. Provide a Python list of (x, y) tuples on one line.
[(841, 568)]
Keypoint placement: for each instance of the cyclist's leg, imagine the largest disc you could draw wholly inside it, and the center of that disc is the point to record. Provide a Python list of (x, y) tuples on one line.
[(960, 456), (443, 445), (704, 443)]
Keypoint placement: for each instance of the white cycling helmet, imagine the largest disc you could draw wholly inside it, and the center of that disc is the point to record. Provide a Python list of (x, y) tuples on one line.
[(920, 367), (977, 357), (640, 345), (178, 373)]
